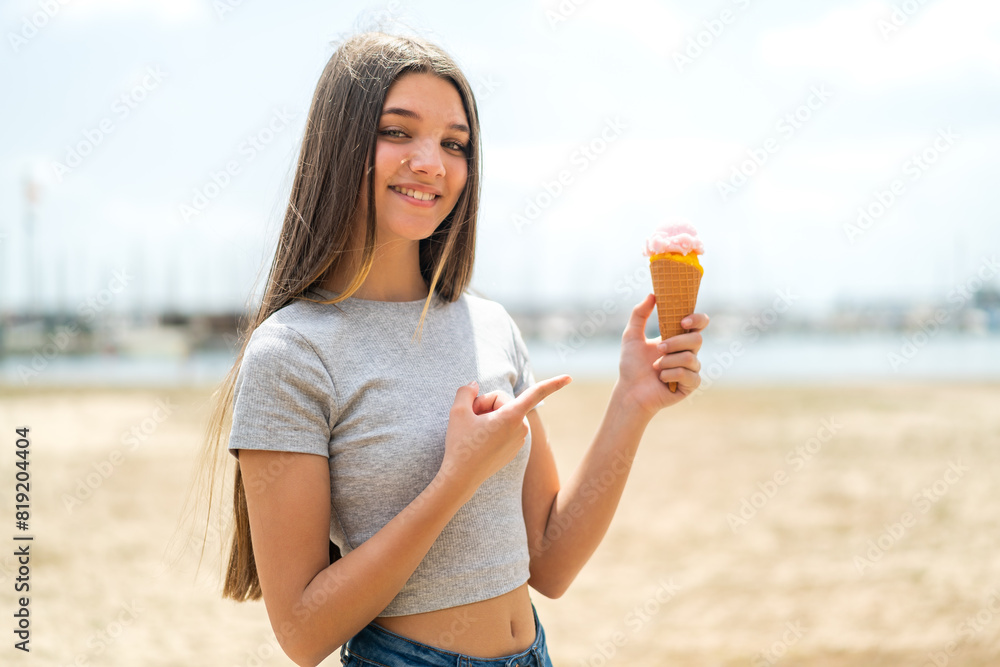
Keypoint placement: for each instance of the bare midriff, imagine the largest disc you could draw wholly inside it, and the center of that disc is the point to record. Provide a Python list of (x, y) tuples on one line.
[(499, 626)]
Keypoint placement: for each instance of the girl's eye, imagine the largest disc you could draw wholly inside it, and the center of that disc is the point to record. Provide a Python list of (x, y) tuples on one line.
[(451, 144)]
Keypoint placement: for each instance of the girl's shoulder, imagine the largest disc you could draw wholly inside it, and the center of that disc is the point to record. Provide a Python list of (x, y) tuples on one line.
[(483, 306), (493, 316), (297, 320)]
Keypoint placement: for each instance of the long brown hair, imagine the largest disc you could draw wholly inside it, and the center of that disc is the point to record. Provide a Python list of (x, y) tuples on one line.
[(338, 150)]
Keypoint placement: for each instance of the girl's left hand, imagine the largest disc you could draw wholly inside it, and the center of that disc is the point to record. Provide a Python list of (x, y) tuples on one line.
[(647, 365)]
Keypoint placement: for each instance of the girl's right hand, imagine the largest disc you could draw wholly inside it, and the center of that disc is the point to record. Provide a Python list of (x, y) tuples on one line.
[(486, 432)]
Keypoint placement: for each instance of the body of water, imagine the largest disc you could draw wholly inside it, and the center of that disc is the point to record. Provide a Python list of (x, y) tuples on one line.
[(778, 358)]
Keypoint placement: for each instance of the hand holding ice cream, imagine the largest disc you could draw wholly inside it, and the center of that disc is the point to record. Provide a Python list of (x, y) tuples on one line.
[(673, 251)]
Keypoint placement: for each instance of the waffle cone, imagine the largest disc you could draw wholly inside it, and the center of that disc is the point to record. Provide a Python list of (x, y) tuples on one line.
[(676, 279)]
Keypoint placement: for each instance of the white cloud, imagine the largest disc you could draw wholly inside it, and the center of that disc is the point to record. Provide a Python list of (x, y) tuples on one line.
[(937, 39)]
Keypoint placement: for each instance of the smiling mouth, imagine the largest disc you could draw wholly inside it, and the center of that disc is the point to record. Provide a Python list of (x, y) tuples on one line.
[(416, 194)]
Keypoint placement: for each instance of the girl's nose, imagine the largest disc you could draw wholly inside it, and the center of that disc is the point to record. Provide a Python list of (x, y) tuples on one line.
[(426, 159)]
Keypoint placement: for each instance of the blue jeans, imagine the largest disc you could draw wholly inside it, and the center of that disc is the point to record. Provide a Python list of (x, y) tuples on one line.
[(375, 645)]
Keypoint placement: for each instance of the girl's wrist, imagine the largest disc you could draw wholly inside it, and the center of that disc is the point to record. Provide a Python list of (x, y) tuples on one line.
[(454, 486), (626, 407)]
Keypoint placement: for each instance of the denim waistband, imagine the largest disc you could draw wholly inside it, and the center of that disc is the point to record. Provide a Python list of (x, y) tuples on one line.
[(382, 647)]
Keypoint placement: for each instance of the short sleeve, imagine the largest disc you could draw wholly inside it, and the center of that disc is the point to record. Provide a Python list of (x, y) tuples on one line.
[(525, 375), (284, 396)]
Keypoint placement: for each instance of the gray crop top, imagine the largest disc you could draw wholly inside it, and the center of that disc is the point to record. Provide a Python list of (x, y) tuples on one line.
[(346, 382)]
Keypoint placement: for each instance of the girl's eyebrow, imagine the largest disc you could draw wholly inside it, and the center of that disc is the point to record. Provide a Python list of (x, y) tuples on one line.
[(407, 113)]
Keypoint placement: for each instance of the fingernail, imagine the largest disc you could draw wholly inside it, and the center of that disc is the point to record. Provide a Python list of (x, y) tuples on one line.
[(686, 322), (473, 384), (662, 347)]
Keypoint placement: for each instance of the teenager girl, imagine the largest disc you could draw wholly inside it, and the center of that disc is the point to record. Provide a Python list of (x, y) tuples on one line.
[(394, 491)]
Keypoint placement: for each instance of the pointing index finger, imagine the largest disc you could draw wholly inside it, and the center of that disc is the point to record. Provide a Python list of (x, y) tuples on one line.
[(534, 394)]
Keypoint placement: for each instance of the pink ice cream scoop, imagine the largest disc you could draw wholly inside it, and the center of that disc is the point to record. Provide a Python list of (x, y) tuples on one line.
[(679, 237)]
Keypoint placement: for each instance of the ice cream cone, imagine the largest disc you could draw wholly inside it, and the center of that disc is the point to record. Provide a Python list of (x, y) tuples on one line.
[(676, 279)]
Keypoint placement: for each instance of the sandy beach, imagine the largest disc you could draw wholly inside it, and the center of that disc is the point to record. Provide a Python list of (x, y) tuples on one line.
[(819, 526)]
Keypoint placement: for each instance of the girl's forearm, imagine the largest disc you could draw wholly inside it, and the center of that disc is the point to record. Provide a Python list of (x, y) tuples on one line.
[(584, 506), (344, 597)]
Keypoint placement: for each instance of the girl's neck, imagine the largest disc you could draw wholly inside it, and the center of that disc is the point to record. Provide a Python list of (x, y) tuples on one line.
[(394, 276)]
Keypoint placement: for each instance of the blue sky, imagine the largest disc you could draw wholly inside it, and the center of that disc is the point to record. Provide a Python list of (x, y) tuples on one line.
[(805, 112)]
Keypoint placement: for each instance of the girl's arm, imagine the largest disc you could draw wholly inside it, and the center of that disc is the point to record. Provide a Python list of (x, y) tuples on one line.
[(315, 606), (565, 525)]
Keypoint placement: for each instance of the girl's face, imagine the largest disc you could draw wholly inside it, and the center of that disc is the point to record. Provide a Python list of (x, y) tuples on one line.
[(420, 157)]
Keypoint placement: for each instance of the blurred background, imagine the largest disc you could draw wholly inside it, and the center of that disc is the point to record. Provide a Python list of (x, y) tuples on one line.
[(838, 159)]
